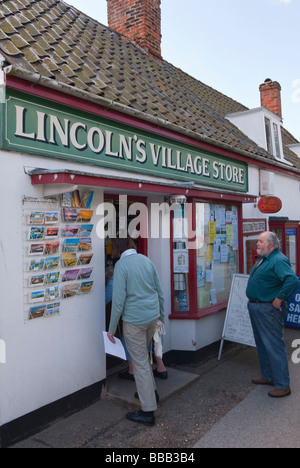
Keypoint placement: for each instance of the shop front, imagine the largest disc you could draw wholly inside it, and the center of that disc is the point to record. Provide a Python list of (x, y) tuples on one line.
[(73, 179)]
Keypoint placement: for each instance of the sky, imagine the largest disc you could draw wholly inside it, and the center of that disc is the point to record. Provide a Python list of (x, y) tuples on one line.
[(231, 45)]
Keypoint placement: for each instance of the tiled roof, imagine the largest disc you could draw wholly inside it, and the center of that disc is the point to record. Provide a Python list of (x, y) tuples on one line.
[(61, 44)]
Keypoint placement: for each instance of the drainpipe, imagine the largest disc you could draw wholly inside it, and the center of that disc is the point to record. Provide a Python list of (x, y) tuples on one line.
[(2, 80), (2, 108)]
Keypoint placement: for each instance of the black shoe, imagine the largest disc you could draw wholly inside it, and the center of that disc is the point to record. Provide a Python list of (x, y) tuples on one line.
[(126, 376), (160, 375), (136, 395), (142, 417)]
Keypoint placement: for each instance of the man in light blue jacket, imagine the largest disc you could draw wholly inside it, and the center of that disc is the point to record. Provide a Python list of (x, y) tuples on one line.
[(138, 299)]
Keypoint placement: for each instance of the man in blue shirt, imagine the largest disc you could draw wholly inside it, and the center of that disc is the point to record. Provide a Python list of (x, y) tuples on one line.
[(271, 283)]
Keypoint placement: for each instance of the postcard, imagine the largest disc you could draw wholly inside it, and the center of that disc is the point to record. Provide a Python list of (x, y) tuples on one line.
[(37, 296), (69, 259), (85, 273), (66, 199), (85, 230), (36, 280), (71, 245), (52, 309), (52, 278), (85, 215), (90, 199), (52, 293), (70, 275), (51, 232), (85, 259), (76, 201), (51, 217), (36, 312), (51, 263), (85, 243), (70, 215), (36, 232), (86, 287), (36, 249), (70, 231), (181, 260), (87, 199), (70, 290), (52, 247), (36, 217), (36, 265)]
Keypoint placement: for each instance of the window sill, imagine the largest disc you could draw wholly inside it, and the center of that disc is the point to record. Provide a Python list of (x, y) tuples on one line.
[(203, 313)]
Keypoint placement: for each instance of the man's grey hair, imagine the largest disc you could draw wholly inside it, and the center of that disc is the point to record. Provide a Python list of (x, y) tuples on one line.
[(272, 238)]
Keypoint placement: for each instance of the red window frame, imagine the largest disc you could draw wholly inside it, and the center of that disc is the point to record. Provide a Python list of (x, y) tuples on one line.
[(285, 225), (194, 313)]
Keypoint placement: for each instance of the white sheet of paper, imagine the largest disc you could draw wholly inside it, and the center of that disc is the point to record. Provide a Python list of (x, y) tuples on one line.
[(116, 349)]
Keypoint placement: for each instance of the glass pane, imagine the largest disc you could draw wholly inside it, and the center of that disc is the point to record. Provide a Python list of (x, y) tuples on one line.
[(180, 261), (291, 247), (278, 232), (268, 135), (216, 252), (276, 138)]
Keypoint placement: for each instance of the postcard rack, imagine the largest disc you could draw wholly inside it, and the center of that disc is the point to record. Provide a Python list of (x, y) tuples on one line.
[(57, 253)]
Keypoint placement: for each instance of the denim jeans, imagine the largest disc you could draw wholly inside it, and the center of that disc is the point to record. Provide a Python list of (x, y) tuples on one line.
[(268, 325)]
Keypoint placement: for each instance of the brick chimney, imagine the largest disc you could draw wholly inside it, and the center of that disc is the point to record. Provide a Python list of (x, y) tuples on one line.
[(140, 20), (270, 96)]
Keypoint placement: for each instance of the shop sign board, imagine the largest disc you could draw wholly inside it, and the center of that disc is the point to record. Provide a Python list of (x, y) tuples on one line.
[(269, 205), (293, 316), (41, 127)]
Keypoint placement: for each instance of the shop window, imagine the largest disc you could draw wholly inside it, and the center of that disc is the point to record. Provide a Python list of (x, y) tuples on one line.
[(288, 233), (203, 269), (291, 250), (181, 264)]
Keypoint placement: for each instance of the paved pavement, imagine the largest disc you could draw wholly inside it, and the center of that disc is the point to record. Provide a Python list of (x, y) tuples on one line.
[(260, 421), (211, 404)]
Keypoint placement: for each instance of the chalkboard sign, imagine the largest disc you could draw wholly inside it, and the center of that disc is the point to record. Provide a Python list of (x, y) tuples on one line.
[(237, 326)]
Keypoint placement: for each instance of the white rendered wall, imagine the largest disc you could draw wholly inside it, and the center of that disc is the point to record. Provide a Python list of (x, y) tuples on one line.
[(286, 188), (46, 358)]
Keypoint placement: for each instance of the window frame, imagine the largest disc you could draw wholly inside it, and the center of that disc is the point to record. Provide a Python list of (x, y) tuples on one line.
[(194, 313), (273, 144)]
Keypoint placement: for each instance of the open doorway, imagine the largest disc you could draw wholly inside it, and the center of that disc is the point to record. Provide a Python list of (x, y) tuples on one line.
[(121, 221)]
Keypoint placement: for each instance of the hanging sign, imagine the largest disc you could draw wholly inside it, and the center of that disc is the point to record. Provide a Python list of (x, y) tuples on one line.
[(269, 205)]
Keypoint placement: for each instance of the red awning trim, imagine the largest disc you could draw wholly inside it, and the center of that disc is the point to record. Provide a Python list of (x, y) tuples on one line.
[(44, 177)]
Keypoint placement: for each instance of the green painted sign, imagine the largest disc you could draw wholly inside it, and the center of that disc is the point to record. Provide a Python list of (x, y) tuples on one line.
[(48, 129)]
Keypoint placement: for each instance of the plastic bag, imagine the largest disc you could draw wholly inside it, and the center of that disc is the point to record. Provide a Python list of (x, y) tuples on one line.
[(158, 346)]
